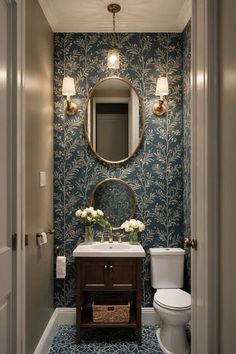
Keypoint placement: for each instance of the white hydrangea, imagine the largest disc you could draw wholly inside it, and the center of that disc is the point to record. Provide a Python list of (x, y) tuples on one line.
[(90, 209), (78, 213), (100, 212), (94, 213), (84, 214), (133, 225)]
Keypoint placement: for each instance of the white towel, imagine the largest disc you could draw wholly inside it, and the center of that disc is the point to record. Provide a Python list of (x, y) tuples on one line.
[(61, 267)]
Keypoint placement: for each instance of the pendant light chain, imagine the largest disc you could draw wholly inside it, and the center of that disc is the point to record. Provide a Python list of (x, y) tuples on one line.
[(114, 29), (113, 56)]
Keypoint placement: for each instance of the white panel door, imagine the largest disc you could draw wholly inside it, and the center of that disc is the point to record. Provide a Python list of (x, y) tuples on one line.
[(112, 136), (5, 228)]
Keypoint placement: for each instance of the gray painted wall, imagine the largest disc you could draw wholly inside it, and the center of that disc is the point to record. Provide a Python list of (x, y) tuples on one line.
[(227, 131), (39, 157)]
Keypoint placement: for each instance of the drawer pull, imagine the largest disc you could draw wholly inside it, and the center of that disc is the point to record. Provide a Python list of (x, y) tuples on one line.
[(94, 284), (111, 267), (122, 284), (105, 267)]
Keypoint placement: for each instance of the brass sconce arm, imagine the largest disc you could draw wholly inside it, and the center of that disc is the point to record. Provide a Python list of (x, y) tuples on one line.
[(71, 107), (159, 108)]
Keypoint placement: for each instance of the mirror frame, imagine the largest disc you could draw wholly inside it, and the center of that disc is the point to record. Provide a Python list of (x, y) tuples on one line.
[(91, 198), (85, 120)]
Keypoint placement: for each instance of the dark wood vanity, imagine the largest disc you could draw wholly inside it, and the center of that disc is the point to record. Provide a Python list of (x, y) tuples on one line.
[(108, 276)]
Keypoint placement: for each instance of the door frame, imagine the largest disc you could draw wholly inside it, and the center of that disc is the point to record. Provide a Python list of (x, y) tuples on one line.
[(18, 8), (205, 185)]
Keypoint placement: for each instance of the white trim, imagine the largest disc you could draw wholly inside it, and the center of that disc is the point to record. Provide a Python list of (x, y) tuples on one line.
[(48, 13), (19, 150), (47, 337), (205, 204), (67, 316), (149, 316), (184, 15), (85, 28)]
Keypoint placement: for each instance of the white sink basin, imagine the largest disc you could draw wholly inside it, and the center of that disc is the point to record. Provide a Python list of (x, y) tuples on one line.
[(106, 249), (111, 246)]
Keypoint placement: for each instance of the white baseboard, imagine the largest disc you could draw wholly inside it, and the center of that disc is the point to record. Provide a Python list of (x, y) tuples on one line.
[(47, 337), (149, 316), (67, 316)]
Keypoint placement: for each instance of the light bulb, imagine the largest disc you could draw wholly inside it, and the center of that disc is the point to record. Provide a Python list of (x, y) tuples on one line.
[(113, 59)]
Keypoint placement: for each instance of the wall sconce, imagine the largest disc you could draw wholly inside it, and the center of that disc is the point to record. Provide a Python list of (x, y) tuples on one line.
[(162, 89), (68, 89), (113, 55)]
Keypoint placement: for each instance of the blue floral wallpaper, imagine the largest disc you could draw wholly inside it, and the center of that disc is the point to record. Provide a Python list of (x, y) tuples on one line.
[(155, 172), (187, 146)]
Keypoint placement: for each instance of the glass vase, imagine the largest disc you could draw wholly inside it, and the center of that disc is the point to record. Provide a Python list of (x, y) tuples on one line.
[(88, 237), (133, 238)]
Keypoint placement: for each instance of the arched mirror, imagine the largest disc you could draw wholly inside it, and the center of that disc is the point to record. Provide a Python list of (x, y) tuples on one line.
[(116, 199), (114, 120)]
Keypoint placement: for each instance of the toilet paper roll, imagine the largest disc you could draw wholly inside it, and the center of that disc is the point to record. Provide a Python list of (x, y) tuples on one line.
[(44, 238), (39, 240), (61, 267)]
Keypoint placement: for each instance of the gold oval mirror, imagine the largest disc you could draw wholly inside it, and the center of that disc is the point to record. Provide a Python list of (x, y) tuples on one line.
[(114, 120), (116, 199)]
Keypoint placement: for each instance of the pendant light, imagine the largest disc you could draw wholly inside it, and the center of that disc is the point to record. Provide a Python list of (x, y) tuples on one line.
[(113, 55)]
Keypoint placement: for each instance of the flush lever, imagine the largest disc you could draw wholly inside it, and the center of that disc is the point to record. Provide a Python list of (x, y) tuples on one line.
[(188, 243)]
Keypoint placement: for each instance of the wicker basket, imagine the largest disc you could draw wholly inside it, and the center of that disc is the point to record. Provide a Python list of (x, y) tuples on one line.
[(113, 309)]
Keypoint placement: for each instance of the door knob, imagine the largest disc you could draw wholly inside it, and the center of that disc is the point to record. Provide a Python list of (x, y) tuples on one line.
[(190, 243)]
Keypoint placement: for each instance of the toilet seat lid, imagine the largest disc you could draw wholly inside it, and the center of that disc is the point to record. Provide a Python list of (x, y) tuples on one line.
[(173, 299)]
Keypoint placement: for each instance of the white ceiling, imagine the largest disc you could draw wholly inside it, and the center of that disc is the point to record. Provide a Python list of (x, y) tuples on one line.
[(135, 15)]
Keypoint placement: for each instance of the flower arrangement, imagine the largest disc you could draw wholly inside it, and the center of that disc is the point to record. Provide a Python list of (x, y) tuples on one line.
[(133, 227), (89, 216)]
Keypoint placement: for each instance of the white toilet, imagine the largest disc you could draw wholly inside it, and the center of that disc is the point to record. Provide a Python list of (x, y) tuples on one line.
[(172, 304)]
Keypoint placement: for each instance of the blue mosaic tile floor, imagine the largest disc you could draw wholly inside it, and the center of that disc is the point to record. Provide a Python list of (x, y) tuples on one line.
[(104, 341)]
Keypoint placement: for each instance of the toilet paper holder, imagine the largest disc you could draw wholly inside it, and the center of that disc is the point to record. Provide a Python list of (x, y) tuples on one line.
[(41, 238), (49, 232)]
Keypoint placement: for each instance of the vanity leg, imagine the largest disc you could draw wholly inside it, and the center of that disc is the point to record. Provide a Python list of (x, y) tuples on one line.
[(139, 336), (78, 336), (139, 302), (79, 304)]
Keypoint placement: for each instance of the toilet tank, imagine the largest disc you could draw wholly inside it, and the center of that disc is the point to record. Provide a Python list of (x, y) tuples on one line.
[(167, 268)]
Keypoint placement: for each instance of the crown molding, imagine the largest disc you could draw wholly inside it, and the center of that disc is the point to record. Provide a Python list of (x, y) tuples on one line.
[(184, 15), (128, 29), (48, 13)]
